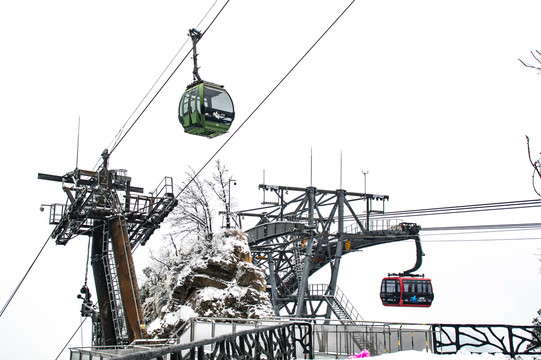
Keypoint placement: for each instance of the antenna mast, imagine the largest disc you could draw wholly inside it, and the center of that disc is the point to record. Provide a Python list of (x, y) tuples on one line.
[(78, 132)]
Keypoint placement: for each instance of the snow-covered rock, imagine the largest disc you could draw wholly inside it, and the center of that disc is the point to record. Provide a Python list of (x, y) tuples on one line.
[(211, 278)]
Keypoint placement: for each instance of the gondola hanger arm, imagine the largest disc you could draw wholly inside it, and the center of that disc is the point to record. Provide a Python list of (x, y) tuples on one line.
[(419, 258), (195, 35)]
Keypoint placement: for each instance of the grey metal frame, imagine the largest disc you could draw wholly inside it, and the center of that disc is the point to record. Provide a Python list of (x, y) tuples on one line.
[(297, 237)]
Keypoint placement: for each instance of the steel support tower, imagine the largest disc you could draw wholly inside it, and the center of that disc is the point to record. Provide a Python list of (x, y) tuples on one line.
[(304, 229), (116, 216)]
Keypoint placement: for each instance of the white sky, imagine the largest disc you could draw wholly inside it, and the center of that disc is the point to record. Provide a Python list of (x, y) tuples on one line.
[(428, 96)]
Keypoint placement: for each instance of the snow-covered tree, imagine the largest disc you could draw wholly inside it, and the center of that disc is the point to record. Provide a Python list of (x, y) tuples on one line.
[(537, 323), (194, 220), (200, 202), (202, 270)]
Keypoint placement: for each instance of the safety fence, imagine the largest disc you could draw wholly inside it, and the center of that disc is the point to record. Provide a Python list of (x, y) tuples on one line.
[(331, 338), (509, 340), (282, 338), (334, 338), (276, 342), (378, 338)]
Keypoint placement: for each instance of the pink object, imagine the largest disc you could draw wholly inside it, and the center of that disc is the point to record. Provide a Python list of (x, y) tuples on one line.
[(362, 354)]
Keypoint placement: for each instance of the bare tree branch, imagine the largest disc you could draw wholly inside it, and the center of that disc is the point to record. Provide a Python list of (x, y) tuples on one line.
[(535, 164), (538, 68), (195, 215)]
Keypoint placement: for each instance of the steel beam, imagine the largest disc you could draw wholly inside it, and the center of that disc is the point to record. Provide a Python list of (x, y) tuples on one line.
[(129, 290)]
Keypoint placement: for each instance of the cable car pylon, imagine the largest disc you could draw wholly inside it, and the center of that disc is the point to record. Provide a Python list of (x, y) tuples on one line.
[(94, 208), (305, 229)]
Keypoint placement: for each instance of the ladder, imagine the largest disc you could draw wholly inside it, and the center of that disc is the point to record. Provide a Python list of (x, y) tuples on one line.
[(298, 266), (113, 290)]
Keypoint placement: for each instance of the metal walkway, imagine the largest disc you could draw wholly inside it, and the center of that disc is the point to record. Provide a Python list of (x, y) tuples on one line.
[(328, 339), (279, 341)]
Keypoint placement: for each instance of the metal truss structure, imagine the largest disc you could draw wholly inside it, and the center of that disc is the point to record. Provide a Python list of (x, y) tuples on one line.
[(296, 237), (104, 206)]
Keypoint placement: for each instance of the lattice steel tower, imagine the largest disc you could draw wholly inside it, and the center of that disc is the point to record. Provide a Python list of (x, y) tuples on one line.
[(103, 205)]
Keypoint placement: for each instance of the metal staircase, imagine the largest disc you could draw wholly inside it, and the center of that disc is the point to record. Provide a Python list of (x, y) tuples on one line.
[(344, 311), (342, 308)]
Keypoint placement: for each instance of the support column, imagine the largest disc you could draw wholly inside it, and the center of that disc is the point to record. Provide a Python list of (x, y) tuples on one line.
[(106, 315), (272, 278), (335, 266), (129, 290), (311, 192)]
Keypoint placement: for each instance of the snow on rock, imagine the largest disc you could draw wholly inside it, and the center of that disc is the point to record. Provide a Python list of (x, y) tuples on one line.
[(209, 278)]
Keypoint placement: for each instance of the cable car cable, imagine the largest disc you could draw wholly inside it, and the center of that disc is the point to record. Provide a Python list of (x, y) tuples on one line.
[(466, 240), (121, 139), (511, 205), (117, 139), (72, 336), (265, 98), (117, 143), (159, 77), (493, 227), (165, 83), (462, 233), (212, 157), (24, 277)]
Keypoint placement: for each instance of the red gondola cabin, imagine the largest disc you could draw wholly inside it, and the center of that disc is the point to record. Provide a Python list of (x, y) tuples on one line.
[(406, 291)]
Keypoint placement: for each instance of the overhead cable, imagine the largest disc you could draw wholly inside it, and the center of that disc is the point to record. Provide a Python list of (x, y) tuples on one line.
[(521, 204), (165, 83), (115, 146), (72, 336), (266, 98), (24, 277), (459, 209), (525, 226)]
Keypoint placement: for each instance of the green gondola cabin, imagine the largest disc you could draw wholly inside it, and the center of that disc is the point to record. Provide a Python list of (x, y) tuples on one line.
[(206, 109)]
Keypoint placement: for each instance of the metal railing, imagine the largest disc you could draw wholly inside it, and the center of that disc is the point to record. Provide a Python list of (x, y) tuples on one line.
[(339, 299), (509, 340), (334, 338), (378, 338), (373, 225), (164, 188), (231, 338), (275, 342)]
